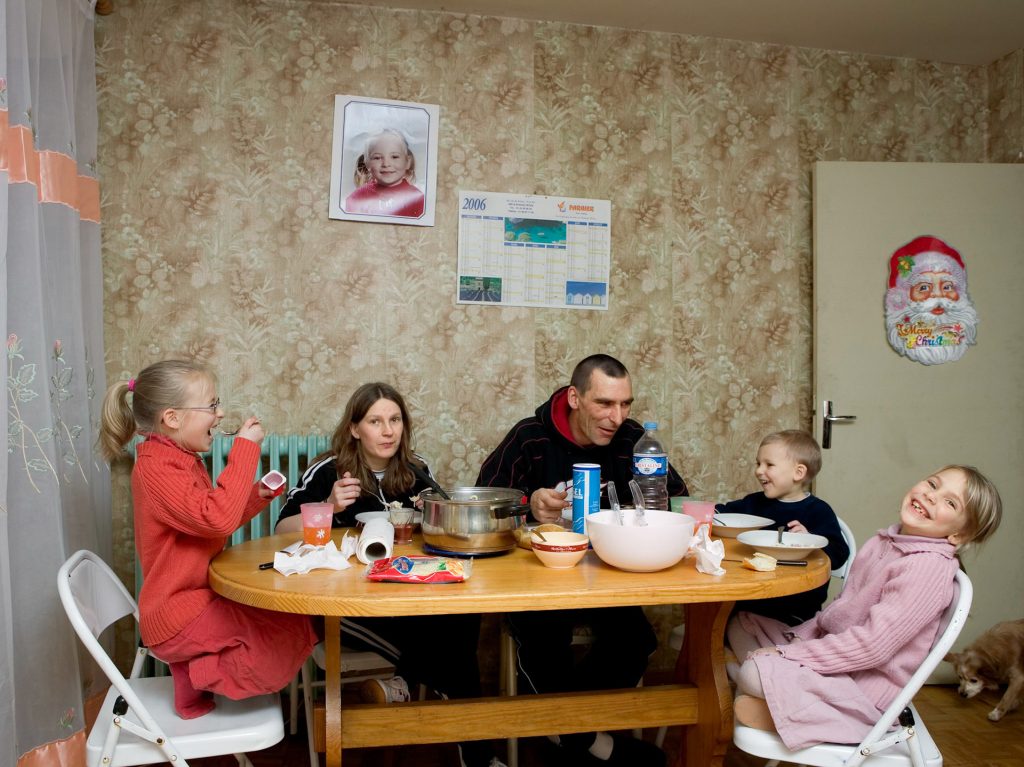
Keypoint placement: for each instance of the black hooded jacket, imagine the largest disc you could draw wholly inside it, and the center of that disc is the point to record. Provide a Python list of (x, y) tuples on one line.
[(536, 454)]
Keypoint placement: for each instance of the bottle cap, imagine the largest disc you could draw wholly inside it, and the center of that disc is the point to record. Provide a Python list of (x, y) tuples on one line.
[(649, 425)]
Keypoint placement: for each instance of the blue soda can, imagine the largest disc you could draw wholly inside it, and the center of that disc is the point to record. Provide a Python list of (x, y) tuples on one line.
[(586, 494)]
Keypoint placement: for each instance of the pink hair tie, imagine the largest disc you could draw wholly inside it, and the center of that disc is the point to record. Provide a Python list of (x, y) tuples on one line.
[(131, 384)]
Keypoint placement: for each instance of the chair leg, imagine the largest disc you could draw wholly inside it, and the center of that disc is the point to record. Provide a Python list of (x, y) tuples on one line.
[(307, 701), (659, 739), (293, 706), (509, 676)]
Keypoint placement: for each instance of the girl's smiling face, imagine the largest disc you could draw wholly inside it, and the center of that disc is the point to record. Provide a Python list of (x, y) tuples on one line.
[(934, 507), (195, 419), (388, 160)]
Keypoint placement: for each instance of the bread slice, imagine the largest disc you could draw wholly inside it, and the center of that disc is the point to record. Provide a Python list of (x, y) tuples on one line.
[(760, 562)]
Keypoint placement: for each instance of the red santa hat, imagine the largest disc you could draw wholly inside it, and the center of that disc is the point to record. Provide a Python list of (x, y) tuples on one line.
[(926, 254)]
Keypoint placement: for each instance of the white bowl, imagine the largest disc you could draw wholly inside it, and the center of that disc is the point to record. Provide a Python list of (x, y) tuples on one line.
[(559, 550), (662, 543), (365, 516), (729, 525), (794, 546)]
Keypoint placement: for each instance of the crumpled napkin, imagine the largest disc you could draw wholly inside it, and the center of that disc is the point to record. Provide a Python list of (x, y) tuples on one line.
[(301, 557), (709, 553)]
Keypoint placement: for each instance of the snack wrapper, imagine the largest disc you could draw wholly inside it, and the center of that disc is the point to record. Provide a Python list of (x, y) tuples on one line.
[(417, 569), (709, 553), (301, 557)]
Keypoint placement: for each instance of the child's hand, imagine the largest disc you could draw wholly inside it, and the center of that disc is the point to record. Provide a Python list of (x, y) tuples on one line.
[(763, 651), (344, 492), (251, 430), (796, 527)]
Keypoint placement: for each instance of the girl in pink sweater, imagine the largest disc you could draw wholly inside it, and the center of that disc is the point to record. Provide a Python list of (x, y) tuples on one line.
[(830, 678), (211, 644)]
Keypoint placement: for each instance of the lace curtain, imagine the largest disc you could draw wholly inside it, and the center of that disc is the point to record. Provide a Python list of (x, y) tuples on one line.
[(54, 490)]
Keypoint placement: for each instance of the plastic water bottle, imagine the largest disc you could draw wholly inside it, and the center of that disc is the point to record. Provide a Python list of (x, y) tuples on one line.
[(650, 468)]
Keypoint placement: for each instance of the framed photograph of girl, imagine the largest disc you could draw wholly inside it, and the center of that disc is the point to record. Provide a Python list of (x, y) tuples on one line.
[(384, 161)]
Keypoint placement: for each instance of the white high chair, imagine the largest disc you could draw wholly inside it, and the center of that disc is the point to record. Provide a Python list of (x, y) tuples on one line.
[(137, 723)]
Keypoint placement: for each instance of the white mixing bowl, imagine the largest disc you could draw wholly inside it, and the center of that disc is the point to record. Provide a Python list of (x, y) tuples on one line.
[(660, 544)]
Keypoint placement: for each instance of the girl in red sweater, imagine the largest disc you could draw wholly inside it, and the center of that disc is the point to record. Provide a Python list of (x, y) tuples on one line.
[(211, 644)]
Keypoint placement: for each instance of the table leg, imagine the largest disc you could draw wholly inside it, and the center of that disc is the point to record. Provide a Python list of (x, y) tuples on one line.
[(701, 662), (332, 686)]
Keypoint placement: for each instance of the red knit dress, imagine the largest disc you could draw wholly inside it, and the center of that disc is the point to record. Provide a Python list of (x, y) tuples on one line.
[(212, 645)]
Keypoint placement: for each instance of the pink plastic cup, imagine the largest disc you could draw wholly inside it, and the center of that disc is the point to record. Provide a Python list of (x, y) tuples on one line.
[(701, 511), (316, 523)]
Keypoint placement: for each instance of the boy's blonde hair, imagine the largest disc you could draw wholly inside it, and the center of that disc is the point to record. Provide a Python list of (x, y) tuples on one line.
[(801, 447), (161, 386), (983, 508)]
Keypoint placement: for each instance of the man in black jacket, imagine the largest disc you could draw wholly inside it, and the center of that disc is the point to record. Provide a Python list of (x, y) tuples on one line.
[(585, 422)]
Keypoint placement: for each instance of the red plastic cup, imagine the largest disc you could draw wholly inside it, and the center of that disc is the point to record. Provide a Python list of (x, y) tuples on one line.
[(316, 522)]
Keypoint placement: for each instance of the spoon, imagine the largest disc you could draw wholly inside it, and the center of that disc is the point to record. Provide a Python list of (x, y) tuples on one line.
[(421, 474), (540, 535), (638, 503), (613, 501), (781, 529)]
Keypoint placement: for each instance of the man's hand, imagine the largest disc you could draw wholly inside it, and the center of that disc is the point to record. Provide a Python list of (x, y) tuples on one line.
[(547, 504)]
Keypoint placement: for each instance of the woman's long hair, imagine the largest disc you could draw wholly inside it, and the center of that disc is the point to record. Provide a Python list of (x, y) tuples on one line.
[(398, 478)]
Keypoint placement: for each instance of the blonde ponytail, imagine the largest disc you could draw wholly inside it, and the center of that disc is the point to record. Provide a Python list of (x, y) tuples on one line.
[(117, 424)]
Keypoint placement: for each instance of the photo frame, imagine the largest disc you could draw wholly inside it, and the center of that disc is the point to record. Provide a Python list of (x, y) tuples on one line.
[(384, 161)]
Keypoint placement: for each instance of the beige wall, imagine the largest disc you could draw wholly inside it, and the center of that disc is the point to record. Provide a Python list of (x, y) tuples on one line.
[(216, 121)]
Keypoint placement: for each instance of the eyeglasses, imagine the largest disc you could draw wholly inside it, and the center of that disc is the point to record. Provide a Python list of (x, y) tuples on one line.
[(212, 408)]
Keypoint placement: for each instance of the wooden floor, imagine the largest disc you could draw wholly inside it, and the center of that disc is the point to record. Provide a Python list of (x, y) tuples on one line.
[(963, 733)]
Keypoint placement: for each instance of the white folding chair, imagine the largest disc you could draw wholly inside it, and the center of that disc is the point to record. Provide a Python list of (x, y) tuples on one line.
[(137, 723), (909, 743), (851, 542)]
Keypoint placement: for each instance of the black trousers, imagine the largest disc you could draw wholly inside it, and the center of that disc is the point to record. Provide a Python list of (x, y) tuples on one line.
[(439, 651), (622, 643)]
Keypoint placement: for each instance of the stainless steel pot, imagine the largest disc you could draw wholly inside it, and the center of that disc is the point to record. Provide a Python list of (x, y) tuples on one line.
[(476, 520)]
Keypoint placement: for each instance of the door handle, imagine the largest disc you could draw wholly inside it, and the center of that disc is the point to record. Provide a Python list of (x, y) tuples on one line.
[(826, 423)]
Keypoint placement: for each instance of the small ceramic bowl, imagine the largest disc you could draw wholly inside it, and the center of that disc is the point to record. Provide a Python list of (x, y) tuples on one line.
[(560, 550)]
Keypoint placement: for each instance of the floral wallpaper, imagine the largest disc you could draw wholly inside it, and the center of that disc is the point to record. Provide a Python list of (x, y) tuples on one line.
[(215, 142)]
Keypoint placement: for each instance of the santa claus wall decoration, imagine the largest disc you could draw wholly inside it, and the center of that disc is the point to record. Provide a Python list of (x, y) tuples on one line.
[(929, 316)]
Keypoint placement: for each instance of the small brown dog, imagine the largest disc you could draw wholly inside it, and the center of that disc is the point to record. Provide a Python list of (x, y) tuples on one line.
[(995, 657)]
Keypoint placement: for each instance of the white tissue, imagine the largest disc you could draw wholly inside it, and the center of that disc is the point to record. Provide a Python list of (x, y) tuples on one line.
[(376, 541), (301, 557), (709, 553)]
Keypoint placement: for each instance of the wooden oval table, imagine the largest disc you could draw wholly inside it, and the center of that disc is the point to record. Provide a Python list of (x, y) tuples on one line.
[(699, 699)]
